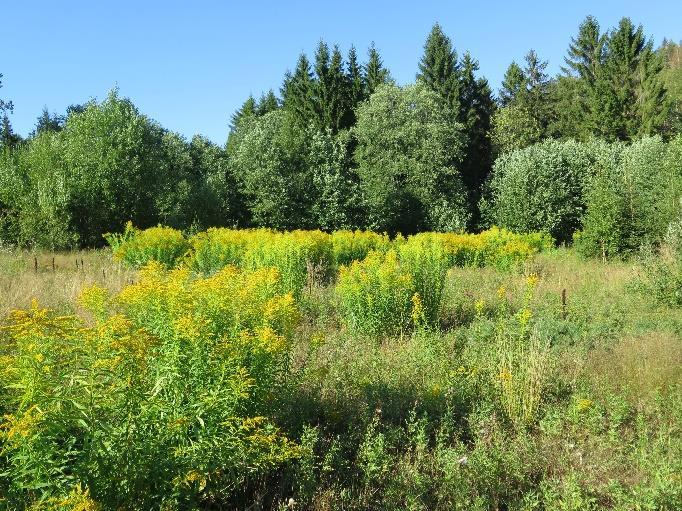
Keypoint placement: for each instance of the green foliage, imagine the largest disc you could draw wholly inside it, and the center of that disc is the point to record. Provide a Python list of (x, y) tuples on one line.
[(352, 246), (408, 151), (424, 257), (269, 158), (540, 189), (438, 68), (337, 191), (662, 269), (294, 254), (631, 197)]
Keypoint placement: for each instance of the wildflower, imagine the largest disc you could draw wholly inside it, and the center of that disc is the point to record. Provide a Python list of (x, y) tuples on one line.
[(524, 316), (532, 280), (583, 404), (479, 306), (501, 292)]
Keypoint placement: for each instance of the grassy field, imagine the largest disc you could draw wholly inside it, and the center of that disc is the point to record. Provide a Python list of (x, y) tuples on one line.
[(423, 420)]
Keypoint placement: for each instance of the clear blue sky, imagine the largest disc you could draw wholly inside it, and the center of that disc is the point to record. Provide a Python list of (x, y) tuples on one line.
[(190, 64)]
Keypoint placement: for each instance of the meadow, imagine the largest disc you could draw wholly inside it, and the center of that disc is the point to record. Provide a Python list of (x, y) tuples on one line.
[(256, 369)]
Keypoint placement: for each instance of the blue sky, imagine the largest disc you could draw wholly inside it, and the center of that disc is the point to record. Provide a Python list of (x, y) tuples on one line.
[(190, 64)]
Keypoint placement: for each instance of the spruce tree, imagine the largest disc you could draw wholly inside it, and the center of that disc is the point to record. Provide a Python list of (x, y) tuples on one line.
[(5, 106), (476, 109), (438, 68), (586, 52), (536, 96), (8, 139), (375, 72), (629, 97), (514, 81), (248, 109), (298, 91), (267, 103), (354, 87), (48, 122)]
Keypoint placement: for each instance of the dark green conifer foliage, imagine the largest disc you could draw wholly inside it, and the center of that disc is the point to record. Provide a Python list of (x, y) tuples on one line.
[(438, 68), (48, 122), (298, 92), (476, 109), (267, 103), (586, 52), (375, 72), (354, 87), (514, 81), (536, 96), (247, 109), (331, 97), (629, 96)]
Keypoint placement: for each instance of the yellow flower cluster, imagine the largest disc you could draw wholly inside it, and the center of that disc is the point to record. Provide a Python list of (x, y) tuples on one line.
[(136, 247), (376, 294), (168, 354)]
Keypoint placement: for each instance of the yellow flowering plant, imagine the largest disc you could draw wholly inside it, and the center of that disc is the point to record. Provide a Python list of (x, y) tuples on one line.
[(375, 295), (135, 247), (161, 401)]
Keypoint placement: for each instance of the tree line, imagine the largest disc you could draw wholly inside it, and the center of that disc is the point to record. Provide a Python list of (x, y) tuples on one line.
[(340, 146)]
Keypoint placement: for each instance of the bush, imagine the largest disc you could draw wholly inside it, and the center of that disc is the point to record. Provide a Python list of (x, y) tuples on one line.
[(137, 247), (375, 295), (631, 197), (158, 404), (295, 254), (495, 247), (218, 247), (662, 268), (539, 188)]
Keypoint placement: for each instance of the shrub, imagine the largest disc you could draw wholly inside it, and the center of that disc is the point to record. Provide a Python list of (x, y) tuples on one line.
[(158, 404), (494, 247), (375, 295), (662, 268), (539, 188), (292, 253), (631, 198), (136, 247)]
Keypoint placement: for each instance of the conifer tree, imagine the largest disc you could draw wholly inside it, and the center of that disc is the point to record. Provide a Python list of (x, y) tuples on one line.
[(247, 109), (331, 97), (48, 122), (5, 106), (375, 72), (438, 68), (514, 81), (476, 109), (354, 87), (536, 96), (267, 103), (297, 92), (629, 96), (586, 52)]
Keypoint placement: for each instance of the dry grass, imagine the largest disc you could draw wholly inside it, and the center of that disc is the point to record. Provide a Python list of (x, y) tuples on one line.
[(57, 281), (638, 367)]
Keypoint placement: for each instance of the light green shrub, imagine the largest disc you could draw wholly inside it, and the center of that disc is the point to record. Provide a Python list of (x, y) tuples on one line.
[(539, 188)]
